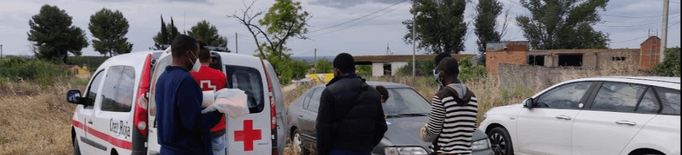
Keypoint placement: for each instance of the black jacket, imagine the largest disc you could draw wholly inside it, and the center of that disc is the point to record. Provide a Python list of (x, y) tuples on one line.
[(350, 116)]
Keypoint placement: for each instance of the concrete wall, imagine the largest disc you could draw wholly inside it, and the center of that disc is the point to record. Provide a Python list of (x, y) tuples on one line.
[(377, 69), (511, 75), (592, 58), (397, 65)]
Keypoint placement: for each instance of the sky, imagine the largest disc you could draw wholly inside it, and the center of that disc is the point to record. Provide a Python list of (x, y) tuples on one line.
[(334, 26)]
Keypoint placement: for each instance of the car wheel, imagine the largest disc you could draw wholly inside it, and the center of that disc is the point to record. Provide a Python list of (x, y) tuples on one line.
[(297, 143), (76, 148), (500, 141)]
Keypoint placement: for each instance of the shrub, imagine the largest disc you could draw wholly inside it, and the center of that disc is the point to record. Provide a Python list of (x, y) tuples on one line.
[(20, 69), (364, 70), (424, 68), (671, 65), (323, 66)]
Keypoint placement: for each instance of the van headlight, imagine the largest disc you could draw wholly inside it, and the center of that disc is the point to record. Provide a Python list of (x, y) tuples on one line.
[(480, 144), (405, 151)]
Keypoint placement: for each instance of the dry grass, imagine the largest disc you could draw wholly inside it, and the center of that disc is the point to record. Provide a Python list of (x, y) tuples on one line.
[(34, 119)]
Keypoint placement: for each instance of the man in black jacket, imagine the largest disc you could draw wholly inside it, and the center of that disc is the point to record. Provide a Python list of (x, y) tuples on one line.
[(350, 118)]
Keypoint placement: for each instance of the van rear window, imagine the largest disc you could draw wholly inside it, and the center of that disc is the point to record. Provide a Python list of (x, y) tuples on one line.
[(249, 80)]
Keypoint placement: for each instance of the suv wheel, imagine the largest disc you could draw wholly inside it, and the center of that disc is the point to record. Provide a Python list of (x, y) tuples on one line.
[(500, 141)]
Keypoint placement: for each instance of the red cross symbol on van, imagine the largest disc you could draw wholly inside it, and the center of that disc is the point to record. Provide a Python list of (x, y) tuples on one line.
[(248, 135)]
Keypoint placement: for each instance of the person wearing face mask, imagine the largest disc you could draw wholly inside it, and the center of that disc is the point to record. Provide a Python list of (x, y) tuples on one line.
[(454, 108), (210, 79), (182, 128), (435, 64)]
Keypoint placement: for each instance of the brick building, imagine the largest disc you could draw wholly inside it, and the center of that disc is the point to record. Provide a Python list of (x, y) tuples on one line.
[(518, 53)]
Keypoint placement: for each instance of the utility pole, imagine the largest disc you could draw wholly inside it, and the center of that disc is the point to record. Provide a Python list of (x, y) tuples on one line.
[(315, 62), (414, 42), (236, 42), (0, 50), (664, 33)]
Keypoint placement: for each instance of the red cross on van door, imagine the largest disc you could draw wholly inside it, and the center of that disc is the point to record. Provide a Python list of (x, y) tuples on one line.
[(248, 135)]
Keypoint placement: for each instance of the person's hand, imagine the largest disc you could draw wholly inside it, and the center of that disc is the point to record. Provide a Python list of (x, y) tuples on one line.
[(210, 108)]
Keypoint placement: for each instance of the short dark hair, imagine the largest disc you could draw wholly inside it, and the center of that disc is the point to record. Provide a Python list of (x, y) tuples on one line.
[(440, 57), (345, 63), (383, 91), (182, 44), (449, 66), (204, 52)]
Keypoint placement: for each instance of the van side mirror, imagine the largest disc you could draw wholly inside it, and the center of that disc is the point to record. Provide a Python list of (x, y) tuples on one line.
[(528, 103), (74, 96)]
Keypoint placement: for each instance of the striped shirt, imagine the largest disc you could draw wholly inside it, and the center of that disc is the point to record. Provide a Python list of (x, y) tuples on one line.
[(452, 121)]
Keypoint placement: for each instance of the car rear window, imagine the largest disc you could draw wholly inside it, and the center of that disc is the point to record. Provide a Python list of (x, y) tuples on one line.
[(249, 80), (670, 98)]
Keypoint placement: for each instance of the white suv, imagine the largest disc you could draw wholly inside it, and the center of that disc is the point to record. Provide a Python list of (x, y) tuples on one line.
[(113, 118), (604, 115)]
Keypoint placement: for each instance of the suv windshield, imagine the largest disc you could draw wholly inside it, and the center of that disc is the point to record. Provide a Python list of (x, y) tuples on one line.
[(405, 102)]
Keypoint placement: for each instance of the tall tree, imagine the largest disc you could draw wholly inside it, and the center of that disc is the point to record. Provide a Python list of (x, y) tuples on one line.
[(110, 28), (209, 33), (440, 25), (563, 24), (485, 24), (53, 36), (284, 20), (167, 33)]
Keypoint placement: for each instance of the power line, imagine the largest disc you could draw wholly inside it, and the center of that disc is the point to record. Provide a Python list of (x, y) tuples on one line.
[(630, 39), (359, 22), (608, 15), (346, 22), (650, 23)]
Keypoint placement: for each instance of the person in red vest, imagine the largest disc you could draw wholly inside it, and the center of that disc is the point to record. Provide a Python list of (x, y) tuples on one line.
[(210, 79)]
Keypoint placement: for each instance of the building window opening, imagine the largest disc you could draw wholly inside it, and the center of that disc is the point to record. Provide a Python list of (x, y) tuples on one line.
[(387, 69), (618, 58), (536, 60), (570, 60)]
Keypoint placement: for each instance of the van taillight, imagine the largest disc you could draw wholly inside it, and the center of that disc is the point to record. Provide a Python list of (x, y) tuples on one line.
[(140, 117), (273, 112)]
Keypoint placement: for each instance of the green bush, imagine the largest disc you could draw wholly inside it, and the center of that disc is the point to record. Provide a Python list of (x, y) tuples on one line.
[(671, 65), (468, 72), (364, 70), (323, 66), (424, 68), (20, 69)]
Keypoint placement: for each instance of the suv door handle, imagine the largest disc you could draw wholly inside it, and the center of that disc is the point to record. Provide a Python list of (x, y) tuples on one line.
[(563, 117), (626, 122)]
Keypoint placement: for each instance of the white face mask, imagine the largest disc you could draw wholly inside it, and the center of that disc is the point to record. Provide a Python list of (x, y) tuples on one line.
[(437, 75), (197, 65)]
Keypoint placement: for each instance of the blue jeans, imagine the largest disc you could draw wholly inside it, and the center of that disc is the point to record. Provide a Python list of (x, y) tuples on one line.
[(219, 145), (347, 152)]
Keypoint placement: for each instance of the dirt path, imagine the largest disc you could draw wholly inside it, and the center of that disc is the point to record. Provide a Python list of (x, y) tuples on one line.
[(288, 88)]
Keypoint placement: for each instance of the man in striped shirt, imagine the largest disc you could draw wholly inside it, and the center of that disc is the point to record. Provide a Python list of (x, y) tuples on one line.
[(453, 113)]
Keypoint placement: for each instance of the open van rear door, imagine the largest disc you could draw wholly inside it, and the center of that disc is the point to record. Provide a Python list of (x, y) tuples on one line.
[(153, 146), (251, 133)]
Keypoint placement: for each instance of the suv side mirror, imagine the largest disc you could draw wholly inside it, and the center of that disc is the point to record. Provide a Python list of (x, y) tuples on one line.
[(528, 103), (74, 96)]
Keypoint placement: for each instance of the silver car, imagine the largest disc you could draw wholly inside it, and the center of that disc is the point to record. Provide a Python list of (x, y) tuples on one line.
[(406, 112)]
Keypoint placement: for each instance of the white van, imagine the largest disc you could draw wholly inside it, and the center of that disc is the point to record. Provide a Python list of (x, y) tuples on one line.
[(112, 118)]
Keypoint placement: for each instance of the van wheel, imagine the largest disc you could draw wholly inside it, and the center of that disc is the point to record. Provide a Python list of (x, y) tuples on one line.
[(297, 143), (76, 148), (500, 141)]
